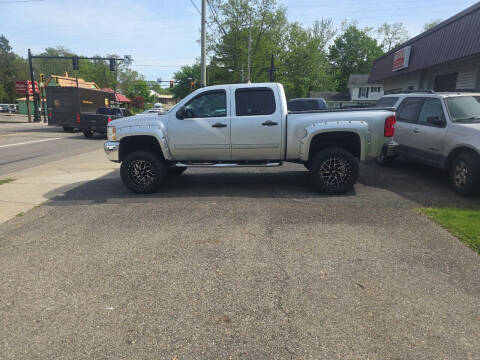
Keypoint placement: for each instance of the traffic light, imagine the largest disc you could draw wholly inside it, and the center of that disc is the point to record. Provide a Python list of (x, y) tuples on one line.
[(75, 63), (42, 78), (192, 85), (171, 84), (112, 64)]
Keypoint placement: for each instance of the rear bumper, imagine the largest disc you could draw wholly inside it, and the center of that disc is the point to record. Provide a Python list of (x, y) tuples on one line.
[(112, 150), (390, 149)]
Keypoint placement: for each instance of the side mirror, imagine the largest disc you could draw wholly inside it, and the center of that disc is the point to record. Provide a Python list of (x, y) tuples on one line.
[(181, 113), (435, 120)]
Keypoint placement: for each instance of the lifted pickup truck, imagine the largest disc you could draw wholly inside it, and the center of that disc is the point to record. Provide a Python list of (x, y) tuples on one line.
[(91, 123), (248, 125)]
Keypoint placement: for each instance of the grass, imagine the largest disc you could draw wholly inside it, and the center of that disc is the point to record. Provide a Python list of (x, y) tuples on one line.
[(20, 214), (462, 223), (5, 181)]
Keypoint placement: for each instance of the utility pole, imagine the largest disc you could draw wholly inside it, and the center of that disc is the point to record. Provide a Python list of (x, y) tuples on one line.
[(272, 70), (203, 78), (249, 48), (242, 74), (34, 95)]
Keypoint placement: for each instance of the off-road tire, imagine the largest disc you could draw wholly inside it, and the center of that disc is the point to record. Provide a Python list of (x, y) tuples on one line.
[(465, 174), (334, 171), (143, 172), (88, 133), (175, 171)]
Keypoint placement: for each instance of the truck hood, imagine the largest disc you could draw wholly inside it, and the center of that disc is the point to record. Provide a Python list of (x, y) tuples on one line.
[(140, 119)]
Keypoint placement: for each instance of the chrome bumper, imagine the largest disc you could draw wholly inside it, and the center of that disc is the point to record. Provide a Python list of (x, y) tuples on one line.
[(111, 149)]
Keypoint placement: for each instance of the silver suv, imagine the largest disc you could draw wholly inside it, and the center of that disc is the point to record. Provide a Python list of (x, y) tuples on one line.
[(440, 130)]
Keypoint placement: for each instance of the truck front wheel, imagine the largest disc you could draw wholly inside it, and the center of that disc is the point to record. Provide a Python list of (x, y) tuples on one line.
[(143, 172), (334, 171)]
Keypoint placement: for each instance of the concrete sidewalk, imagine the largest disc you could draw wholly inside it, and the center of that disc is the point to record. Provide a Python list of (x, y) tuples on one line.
[(36, 185)]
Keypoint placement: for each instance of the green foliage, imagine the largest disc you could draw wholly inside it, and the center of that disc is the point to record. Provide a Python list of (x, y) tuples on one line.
[(462, 223), (183, 78), (391, 35), (12, 68), (353, 52), (431, 24), (6, 181)]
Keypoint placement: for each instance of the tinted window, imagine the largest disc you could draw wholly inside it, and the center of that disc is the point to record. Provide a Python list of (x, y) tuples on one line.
[(387, 102), (109, 111), (408, 110), (250, 102), (210, 104), (430, 108)]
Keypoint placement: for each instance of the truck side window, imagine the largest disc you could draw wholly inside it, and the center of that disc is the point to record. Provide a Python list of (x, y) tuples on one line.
[(254, 101), (209, 104), (408, 110)]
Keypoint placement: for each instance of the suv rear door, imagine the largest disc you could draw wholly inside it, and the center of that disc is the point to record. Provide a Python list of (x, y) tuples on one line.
[(256, 124)]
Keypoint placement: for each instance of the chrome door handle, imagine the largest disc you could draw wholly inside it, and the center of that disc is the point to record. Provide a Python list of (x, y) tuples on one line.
[(416, 131), (269, 123), (219, 125)]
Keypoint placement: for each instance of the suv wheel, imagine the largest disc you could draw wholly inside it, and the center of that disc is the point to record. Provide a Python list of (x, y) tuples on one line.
[(334, 171), (143, 172), (465, 174), (88, 133)]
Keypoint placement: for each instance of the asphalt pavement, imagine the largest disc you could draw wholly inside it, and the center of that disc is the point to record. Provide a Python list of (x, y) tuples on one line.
[(241, 264), (24, 145)]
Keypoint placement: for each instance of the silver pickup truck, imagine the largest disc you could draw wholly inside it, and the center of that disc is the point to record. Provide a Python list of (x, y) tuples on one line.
[(248, 125)]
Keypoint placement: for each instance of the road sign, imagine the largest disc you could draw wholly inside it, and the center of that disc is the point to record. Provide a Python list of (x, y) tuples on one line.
[(21, 87)]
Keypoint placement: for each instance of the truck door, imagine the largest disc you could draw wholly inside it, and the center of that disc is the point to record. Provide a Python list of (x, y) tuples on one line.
[(204, 132), (256, 124)]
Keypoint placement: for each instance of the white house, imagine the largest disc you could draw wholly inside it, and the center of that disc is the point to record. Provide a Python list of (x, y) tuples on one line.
[(362, 91)]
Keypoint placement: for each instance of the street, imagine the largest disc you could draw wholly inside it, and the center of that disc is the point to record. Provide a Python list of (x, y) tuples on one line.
[(25, 145), (241, 264)]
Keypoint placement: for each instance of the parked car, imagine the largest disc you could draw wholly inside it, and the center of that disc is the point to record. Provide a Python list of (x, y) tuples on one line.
[(3, 108), (89, 124), (440, 130), (306, 104), (153, 111), (248, 125)]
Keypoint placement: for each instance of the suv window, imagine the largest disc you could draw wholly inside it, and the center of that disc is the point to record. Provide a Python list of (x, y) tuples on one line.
[(430, 108), (209, 104), (256, 101), (408, 110), (387, 101)]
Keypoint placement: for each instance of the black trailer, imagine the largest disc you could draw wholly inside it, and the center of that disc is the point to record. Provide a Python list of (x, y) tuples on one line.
[(66, 104)]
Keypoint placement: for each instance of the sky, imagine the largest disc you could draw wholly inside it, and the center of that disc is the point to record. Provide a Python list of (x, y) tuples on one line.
[(162, 35)]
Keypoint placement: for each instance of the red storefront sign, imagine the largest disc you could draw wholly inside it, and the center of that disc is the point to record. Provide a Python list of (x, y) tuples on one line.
[(401, 58), (22, 85)]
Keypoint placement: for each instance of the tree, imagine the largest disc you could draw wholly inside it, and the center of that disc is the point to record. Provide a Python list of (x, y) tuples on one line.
[(390, 36), (183, 77), (431, 24), (12, 68), (353, 52)]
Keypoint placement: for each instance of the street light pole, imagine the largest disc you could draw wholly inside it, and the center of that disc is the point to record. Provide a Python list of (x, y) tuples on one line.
[(36, 117), (203, 76)]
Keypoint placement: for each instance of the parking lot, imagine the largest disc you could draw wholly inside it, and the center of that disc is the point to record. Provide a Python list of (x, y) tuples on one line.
[(241, 264)]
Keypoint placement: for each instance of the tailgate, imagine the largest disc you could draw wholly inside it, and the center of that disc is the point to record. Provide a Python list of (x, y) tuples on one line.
[(96, 122)]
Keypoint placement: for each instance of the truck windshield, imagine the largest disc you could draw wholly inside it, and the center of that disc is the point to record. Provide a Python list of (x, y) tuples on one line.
[(464, 109)]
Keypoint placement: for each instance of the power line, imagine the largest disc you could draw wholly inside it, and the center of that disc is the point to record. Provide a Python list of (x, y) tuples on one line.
[(19, 1), (196, 7)]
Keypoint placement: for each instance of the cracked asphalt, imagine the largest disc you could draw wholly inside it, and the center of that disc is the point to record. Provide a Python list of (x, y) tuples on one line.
[(241, 264)]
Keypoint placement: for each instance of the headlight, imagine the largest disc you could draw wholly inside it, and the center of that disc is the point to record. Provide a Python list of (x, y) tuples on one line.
[(112, 133)]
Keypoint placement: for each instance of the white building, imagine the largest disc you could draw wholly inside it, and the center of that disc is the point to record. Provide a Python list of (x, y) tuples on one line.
[(362, 91)]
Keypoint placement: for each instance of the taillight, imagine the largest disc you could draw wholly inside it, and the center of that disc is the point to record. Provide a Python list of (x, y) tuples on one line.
[(389, 129), (78, 118), (109, 119), (49, 114)]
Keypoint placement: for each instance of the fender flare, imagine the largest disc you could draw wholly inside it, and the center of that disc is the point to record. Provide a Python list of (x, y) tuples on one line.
[(359, 128), (146, 130)]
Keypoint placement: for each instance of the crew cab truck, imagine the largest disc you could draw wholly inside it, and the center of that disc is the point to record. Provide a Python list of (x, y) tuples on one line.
[(440, 129), (248, 125), (89, 123)]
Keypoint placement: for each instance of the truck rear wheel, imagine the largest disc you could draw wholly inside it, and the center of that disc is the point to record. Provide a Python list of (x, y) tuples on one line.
[(88, 133), (143, 172), (334, 171)]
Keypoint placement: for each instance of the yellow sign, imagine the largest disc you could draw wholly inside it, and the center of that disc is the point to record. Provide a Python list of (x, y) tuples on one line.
[(107, 102), (87, 102)]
